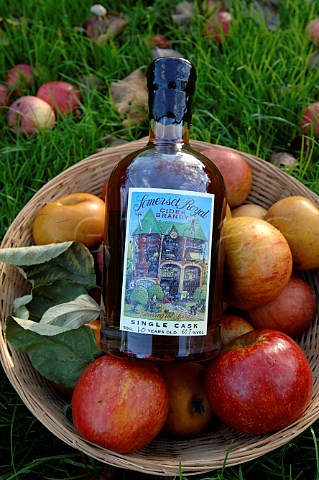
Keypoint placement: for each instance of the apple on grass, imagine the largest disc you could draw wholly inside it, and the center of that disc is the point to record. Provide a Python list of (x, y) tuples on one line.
[(260, 382), (19, 76), (75, 217), (28, 115), (189, 412), (120, 404), (217, 27), (312, 30), (310, 119), (64, 97), (4, 96)]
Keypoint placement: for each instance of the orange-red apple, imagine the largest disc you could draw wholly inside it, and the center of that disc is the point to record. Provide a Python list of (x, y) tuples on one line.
[(291, 312), (75, 217), (260, 382), (120, 404), (235, 171), (258, 262)]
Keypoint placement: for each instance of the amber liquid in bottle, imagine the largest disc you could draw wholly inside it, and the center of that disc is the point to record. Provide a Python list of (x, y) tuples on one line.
[(157, 251)]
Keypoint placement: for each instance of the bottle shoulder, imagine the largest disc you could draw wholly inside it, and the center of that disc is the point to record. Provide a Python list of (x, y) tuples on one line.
[(168, 166)]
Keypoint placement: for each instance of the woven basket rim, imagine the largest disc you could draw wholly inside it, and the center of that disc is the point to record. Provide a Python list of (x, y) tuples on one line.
[(201, 454)]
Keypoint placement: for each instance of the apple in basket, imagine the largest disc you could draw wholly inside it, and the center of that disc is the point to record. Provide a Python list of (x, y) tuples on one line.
[(190, 412), (120, 404), (258, 262), (236, 173), (74, 217), (260, 382)]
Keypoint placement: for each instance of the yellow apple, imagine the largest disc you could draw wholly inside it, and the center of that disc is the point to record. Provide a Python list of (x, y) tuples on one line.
[(233, 326), (189, 410), (75, 217), (249, 210)]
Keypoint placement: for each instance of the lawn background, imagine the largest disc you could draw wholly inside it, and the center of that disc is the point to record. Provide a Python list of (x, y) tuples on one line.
[(250, 95)]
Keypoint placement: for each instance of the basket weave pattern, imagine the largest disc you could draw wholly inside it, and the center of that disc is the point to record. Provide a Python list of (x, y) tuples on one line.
[(162, 456)]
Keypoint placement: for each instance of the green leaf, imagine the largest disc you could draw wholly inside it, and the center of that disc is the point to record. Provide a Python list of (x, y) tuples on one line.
[(64, 317), (82, 309), (46, 296), (75, 264), (60, 358), (32, 255)]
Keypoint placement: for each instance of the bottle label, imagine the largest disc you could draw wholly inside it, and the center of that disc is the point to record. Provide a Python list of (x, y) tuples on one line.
[(166, 263)]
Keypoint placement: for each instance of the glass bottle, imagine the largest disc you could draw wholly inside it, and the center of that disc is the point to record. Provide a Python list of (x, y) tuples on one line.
[(163, 259)]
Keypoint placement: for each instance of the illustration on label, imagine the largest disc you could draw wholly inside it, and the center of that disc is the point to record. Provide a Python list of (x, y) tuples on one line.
[(166, 263)]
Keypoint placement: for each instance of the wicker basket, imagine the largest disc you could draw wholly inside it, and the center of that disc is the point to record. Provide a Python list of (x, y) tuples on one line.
[(163, 457)]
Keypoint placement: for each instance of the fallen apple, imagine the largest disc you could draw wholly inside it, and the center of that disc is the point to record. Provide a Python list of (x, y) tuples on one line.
[(235, 171), (189, 412), (312, 30), (120, 404), (29, 115), (260, 382), (217, 27), (232, 326), (64, 97), (291, 312), (258, 262), (310, 119), (75, 217), (4, 96), (19, 76)]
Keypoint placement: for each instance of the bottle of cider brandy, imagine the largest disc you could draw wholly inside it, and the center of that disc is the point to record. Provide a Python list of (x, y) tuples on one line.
[(163, 262)]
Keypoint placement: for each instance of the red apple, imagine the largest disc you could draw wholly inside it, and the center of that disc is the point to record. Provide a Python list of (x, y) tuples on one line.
[(4, 96), (19, 76), (189, 410), (62, 96), (28, 115), (232, 326), (291, 312), (313, 31), (310, 119), (260, 382), (217, 27), (258, 262), (235, 171), (120, 404)]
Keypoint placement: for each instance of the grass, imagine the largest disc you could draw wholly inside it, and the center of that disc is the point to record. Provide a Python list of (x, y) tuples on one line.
[(250, 95)]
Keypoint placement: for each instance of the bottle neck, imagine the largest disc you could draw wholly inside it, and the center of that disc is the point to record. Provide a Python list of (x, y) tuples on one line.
[(160, 133)]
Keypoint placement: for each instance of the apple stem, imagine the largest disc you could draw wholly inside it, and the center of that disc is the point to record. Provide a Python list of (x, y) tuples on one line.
[(198, 407)]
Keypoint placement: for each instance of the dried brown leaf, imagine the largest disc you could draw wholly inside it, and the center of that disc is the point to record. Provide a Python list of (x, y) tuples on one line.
[(184, 11), (131, 97)]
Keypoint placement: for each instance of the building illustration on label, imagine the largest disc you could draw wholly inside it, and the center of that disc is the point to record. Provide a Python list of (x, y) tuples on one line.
[(166, 275)]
